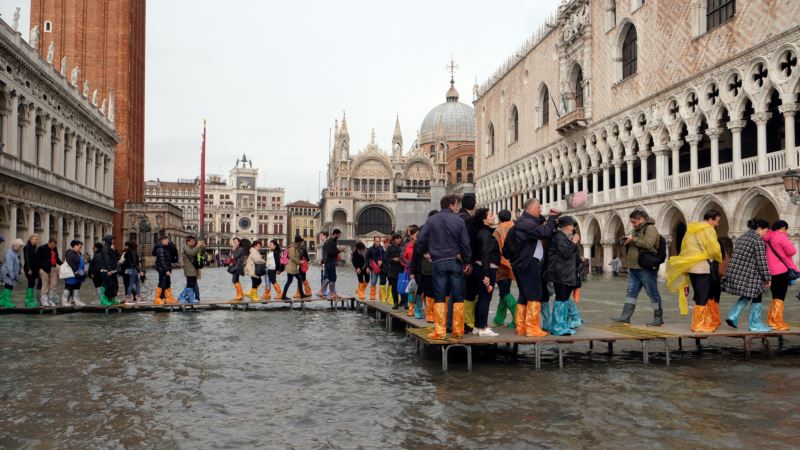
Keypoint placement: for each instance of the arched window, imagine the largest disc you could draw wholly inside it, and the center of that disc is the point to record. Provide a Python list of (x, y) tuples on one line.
[(513, 124), (459, 166), (629, 53), (470, 178), (470, 163), (490, 139), (544, 102), (458, 177), (579, 89)]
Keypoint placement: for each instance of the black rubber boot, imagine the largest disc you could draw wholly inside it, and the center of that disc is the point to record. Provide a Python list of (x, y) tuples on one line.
[(658, 315), (627, 312)]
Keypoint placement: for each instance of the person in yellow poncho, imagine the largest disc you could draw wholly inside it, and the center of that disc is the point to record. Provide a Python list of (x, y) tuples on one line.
[(699, 249)]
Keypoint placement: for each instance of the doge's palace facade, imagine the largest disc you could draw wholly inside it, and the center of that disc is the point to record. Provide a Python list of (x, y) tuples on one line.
[(56, 149), (673, 107)]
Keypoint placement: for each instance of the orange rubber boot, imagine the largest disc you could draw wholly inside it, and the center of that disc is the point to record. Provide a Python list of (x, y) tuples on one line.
[(170, 300), (278, 293), (440, 321), (701, 320), (713, 310), (372, 290), (267, 295), (429, 316), (239, 292), (519, 319), (533, 320), (775, 316), (307, 288), (459, 313), (158, 300)]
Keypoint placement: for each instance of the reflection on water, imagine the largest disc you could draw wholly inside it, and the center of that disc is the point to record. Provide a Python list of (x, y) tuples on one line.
[(320, 379)]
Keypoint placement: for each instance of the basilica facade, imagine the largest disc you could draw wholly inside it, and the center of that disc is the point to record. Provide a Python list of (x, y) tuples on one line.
[(375, 192), (670, 107), (56, 151)]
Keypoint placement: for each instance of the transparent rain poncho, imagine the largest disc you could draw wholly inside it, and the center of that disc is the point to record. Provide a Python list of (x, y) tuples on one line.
[(699, 244)]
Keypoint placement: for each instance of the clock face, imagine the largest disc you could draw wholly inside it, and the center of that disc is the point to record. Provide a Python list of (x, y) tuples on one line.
[(244, 223)]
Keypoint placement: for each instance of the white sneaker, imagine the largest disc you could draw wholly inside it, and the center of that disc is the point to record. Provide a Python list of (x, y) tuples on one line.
[(487, 332), (476, 331)]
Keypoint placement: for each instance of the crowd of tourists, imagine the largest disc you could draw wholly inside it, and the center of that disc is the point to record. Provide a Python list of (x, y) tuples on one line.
[(446, 271)]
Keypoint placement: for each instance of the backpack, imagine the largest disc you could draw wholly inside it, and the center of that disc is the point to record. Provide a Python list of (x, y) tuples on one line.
[(650, 260), (200, 260), (284, 257), (510, 247)]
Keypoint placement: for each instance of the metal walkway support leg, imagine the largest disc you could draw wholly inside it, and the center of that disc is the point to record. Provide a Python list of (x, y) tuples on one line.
[(645, 354), (446, 350)]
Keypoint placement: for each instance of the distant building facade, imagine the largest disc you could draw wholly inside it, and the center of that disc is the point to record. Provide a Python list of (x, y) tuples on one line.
[(185, 194), (303, 220), (146, 222), (56, 152)]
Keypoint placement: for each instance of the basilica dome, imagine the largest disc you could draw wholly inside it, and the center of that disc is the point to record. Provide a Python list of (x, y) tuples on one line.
[(457, 121)]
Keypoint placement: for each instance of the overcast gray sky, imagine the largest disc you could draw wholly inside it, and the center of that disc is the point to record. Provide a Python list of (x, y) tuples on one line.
[(271, 77)]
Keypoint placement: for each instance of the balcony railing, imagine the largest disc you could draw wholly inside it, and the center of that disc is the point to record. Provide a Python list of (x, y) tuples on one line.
[(725, 171), (750, 166), (571, 121), (776, 162), (668, 183), (651, 186), (684, 180), (704, 176)]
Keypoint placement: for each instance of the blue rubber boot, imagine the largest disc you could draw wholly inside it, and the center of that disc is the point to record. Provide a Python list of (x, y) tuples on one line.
[(560, 314), (755, 319), (574, 316), (547, 316), (419, 306), (733, 317)]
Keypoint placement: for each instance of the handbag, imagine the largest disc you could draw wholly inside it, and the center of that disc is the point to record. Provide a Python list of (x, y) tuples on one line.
[(232, 269), (412, 287), (374, 267), (260, 269), (65, 271), (793, 274), (304, 265), (402, 282)]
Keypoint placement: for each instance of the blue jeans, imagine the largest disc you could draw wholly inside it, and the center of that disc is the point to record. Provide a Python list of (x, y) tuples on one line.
[(643, 278), (448, 278), (133, 282)]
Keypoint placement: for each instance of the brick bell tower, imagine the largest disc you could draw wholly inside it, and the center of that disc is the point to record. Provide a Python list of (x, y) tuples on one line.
[(105, 39)]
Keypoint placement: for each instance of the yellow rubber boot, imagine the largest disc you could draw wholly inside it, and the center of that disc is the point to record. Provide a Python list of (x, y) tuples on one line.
[(382, 294), (519, 319), (469, 312), (429, 316), (533, 320), (252, 294), (701, 320), (458, 320), (775, 316)]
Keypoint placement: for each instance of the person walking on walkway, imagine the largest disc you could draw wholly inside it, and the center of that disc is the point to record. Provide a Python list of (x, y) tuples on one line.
[(163, 251), (359, 260), (255, 268), (415, 300), (323, 238), (616, 265), (108, 262), (699, 249), (193, 262), (72, 286), (11, 271), (293, 269), (563, 269), (331, 257), (507, 304), (487, 262), (393, 256), (780, 254), (374, 262), (274, 267), (95, 264), (472, 285), (527, 253), (133, 270), (386, 290), (643, 238), (236, 269), (47, 260), (445, 238), (31, 269), (748, 275)]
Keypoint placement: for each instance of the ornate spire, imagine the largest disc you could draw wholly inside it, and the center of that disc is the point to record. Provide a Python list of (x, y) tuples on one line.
[(344, 124), (452, 93), (397, 133), (372, 139), (397, 140)]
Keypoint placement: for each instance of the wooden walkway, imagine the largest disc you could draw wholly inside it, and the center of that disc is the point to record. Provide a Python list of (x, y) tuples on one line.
[(244, 305), (418, 330)]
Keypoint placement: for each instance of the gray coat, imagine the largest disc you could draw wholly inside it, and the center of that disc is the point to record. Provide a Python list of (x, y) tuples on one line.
[(11, 267), (747, 271), (189, 255)]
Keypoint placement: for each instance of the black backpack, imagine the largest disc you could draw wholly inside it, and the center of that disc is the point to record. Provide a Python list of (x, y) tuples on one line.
[(510, 247), (650, 260)]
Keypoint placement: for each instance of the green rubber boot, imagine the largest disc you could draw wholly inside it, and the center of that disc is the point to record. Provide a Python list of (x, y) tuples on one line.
[(5, 299), (103, 299), (500, 314), (511, 305), (30, 298)]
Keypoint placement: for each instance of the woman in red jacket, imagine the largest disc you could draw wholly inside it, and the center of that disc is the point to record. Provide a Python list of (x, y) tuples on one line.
[(408, 255)]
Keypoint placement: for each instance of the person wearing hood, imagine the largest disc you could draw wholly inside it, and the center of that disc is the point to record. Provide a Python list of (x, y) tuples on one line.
[(108, 272), (780, 254), (563, 269), (643, 238), (255, 268), (748, 275), (31, 269), (72, 285), (694, 265), (11, 270), (165, 253)]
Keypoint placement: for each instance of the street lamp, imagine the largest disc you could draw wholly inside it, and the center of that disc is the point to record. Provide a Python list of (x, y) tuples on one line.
[(791, 183)]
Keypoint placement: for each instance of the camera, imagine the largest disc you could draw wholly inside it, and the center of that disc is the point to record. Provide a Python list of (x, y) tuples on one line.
[(622, 240)]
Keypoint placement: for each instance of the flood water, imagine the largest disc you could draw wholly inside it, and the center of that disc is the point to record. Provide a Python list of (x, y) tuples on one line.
[(337, 379)]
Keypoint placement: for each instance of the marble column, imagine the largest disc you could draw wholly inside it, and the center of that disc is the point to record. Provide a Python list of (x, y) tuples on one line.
[(713, 136), (12, 119), (675, 146), (661, 167), (45, 227), (606, 181), (12, 222), (789, 112), (31, 223), (736, 127), (693, 140), (761, 126), (608, 255), (60, 234)]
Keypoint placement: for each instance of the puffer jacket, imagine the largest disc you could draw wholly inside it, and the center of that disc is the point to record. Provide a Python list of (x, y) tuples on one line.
[(30, 263), (563, 260), (108, 257), (163, 258), (11, 267), (252, 259), (295, 253), (645, 238), (76, 263), (780, 252)]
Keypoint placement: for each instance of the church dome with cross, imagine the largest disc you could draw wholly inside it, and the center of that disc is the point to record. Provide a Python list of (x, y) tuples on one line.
[(451, 121)]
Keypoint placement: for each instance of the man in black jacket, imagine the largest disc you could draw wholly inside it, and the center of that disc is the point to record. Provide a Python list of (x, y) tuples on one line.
[(165, 253), (528, 234), (445, 238), (31, 269), (330, 251), (47, 261), (375, 261), (108, 272)]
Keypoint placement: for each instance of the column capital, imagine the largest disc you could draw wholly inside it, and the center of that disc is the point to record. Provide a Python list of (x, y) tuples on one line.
[(675, 145), (630, 159), (661, 150), (714, 132), (595, 170), (644, 155), (761, 118), (693, 139), (789, 109), (617, 163)]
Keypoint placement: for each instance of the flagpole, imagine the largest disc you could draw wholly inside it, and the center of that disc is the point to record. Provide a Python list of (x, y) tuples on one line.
[(203, 184)]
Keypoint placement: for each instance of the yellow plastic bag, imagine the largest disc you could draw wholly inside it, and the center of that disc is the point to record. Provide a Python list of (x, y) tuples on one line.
[(699, 244)]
